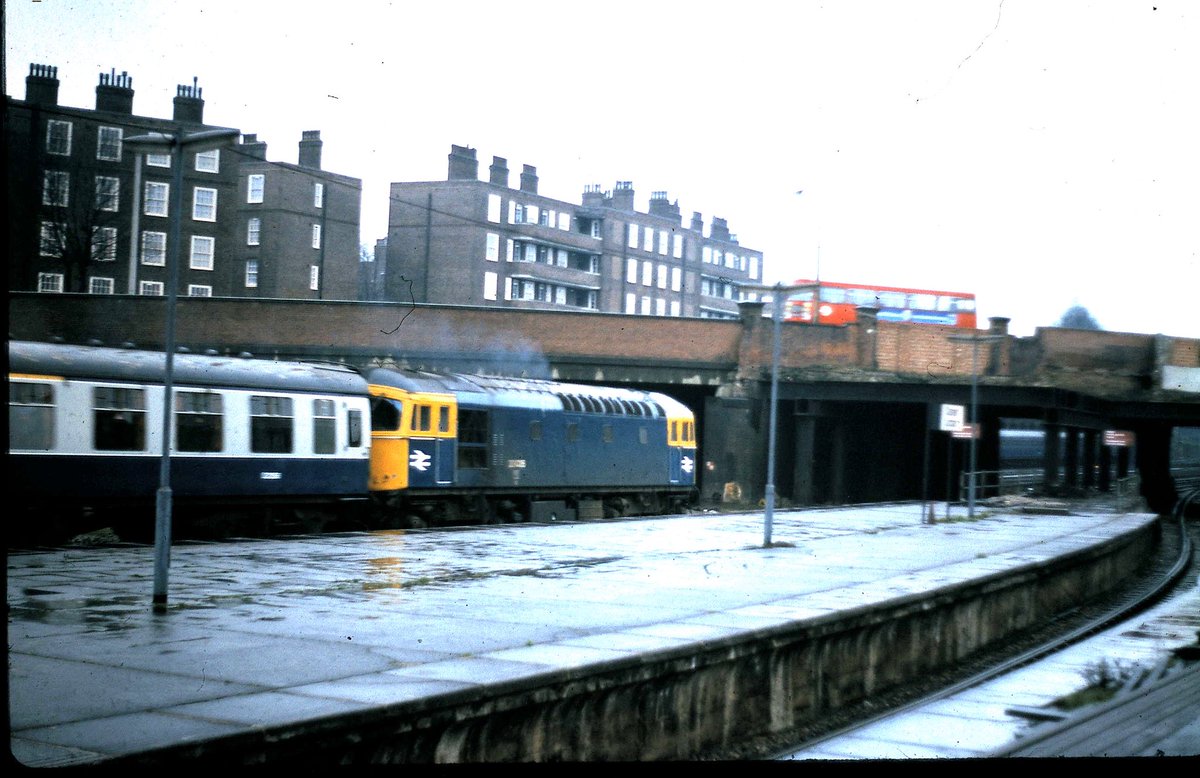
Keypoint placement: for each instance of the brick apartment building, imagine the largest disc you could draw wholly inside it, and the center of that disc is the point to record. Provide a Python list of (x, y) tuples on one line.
[(89, 214), (474, 242)]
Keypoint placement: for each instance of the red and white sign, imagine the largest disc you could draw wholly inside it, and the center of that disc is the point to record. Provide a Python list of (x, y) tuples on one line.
[(967, 432)]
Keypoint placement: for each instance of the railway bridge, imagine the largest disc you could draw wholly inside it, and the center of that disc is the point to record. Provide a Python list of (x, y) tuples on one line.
[(858, 404)]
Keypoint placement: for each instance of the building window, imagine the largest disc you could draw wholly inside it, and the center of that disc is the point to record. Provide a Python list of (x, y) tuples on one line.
[(204, 204), (677, 248), (52, 239), (154, 248), (104, 244), (647, 239), (676, 282), (492, 251), (254, 188), (493, 208), (108, 144), (660, 306), (647, 274), (318, 195), (316, 236), (108, 193), (630, 303), (251, 273), (645, 306), (490, 283), (199, 290), (50, 282), (314, 277), (633, 236), (675, 307), (56, 188), (631, 271), (202, 252), (98, 285), (662, 242), (158, 160), (662, 276), (253, 228), (156, 198), (150, 288), (58, 138), (208, 161)]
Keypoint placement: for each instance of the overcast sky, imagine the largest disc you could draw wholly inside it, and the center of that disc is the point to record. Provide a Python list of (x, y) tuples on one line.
[(1040, 154)]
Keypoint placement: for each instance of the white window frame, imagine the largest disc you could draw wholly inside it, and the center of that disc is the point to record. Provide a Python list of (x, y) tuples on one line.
[(660, 306), (253, 231), (158, 160), (645, 306), (662, 276), (677, 248), (316, 236), (676, 279), (314, 277), (492, 251), (101, 285), (251, 277), (50, 282), (491, 282), (647, 273), (156, 186), (318, 195), (630, 303), (204, 249), (631, 271), (151, 288), (57, 145), (648, 239), (493, 208), (108, 193), (152, 255), (662, 242), (633, 236), (204, 212), (256, 185), (109, 132), (56, 188), (675, 308), (109, 244), (208, 161), (199, 290)]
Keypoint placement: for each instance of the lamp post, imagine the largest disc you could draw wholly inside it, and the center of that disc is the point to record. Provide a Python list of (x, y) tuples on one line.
[(974, 339), (777, 291), (173, 143)]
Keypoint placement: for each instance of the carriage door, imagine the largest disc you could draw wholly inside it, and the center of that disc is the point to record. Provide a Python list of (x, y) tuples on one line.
[(444, 447)]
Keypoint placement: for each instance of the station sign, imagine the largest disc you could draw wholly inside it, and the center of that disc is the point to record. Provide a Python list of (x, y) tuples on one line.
[(953, 418), (1119, 438), (967, 431)]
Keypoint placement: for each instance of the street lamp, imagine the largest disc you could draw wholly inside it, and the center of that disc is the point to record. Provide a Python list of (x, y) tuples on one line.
[(974, 339), (174, 144), (777, 291)]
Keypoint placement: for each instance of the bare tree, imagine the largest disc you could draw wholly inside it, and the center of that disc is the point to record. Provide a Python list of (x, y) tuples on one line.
[(1077, 317), (78, 221)]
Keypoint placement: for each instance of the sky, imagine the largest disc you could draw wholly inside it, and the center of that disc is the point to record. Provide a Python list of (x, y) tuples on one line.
[(1039, 154)]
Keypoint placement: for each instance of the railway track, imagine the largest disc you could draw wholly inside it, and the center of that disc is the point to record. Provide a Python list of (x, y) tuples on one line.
[(1153, 703)]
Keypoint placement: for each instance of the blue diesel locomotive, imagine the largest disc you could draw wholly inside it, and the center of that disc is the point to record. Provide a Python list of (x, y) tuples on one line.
[(260, 445)]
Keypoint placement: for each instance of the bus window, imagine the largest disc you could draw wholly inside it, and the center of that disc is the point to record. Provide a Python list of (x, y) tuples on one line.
[(892, 299), (922, 302), (832, 295)]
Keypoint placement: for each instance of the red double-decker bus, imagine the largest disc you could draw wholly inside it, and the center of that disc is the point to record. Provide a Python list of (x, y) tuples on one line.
[(829, 302)]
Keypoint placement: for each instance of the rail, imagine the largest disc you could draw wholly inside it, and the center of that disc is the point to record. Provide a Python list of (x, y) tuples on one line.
[(999, 483)]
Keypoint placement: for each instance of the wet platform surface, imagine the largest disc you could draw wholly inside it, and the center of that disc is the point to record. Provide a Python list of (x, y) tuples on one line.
[(265, 633)]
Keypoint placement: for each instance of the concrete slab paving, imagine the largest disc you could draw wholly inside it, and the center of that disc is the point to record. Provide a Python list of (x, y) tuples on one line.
[(260, 632)]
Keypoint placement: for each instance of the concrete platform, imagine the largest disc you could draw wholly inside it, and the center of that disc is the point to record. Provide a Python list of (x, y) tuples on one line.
[(269, 645)]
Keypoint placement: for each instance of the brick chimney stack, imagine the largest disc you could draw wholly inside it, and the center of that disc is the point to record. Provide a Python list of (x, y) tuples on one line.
[(622, 199), (529, 179), (310, 149), (114, 93), (463, 164), (254, 148), (499, 171), (41, 85), (189, 106)]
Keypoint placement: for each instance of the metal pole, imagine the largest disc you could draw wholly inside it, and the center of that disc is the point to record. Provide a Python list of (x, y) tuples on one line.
[(777, 318), (162, 503), (974, 427)]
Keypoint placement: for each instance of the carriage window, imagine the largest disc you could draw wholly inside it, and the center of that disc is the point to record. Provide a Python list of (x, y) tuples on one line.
[(643, 436), (354, 429), (198, 421), (386, 414), (535, 430), (270, 424), (324, 427), (572, 432), (120, 418), (30, 417), (606, 433), (423, 420), (443, 418), (472, 439)]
